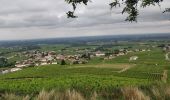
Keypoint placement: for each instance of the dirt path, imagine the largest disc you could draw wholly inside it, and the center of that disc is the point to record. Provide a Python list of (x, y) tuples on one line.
[(165, 72), (125, 69), (21, 78), (115, 66), (165, 76), (167, 56)]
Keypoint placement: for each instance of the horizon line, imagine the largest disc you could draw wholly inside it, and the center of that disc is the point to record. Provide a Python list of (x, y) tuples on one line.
[(84, 36)]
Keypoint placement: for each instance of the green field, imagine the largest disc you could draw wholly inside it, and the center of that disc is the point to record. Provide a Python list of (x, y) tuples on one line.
[(97, 75)]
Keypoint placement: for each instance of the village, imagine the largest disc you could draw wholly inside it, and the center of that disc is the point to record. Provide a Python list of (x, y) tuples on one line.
[(35, 58)]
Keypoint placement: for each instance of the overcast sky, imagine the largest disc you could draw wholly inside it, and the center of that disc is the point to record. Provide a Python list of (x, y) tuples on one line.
[(30, 19)]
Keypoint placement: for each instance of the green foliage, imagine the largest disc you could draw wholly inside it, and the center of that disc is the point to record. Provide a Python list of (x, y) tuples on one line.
[(63, 62), (131, 7), (5, 63), (150, 2), (74, 4), (167, 10)]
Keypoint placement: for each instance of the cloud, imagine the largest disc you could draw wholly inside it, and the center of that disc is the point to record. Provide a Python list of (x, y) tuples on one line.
[(27, 19)]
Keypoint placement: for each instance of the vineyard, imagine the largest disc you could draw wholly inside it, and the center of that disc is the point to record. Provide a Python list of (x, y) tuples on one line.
[(98, 75)]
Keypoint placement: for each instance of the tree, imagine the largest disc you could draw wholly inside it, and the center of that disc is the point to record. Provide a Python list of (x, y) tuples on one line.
[(116, 51), (167, 10), (131, 7), (86, 56), (107, 54), (5, 63), (63, 62)]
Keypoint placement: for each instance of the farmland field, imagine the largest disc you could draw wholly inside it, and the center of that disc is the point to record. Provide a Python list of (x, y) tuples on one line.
[(105, 74), (97, 75)]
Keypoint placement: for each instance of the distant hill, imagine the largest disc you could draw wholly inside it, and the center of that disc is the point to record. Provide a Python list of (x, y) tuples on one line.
[(83, 40)]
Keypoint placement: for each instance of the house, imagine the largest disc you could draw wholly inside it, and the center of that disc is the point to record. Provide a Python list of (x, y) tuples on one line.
[(136, 50), (20, 65), (37, 64), (59, 57), (52, 53), (129, 51), (49, 57), (15, 69), (99, 54), (44, 63), (120, 54), (143, 50), (43, 60), (133, 58), (109, 57), (166, 48), (80, 61), (74, 62), (5, 71), (148, 50), (54, 63)]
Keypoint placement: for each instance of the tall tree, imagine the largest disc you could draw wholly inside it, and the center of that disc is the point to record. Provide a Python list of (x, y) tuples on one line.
[(63, 62), (131, 7)]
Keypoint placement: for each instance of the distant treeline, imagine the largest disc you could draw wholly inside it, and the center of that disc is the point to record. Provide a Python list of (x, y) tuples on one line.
[(19, 49), (84, 40)]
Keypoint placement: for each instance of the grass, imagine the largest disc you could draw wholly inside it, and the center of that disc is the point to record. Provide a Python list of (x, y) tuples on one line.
[(123, 93), (169, 76)]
